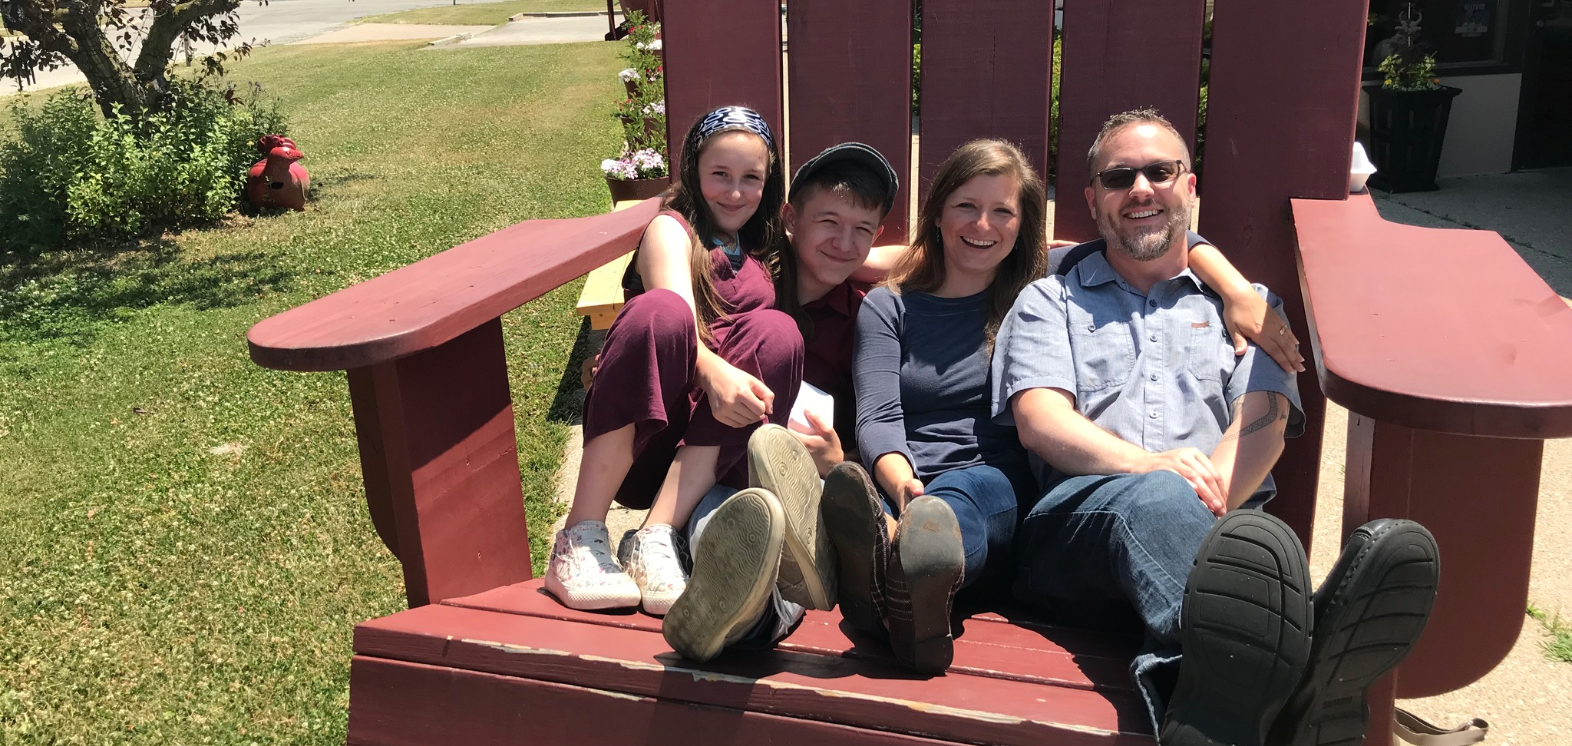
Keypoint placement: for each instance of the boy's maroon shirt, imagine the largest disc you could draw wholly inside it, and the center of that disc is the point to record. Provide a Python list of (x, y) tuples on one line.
[(827, 362)]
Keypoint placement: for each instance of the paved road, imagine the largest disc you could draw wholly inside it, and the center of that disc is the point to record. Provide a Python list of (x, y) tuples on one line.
[(278, 22)]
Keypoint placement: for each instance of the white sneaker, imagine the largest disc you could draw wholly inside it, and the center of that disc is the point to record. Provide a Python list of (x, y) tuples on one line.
[(650, 555), (583, 575)]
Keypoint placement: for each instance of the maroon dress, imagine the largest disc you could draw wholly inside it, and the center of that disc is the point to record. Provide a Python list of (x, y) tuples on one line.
[(646, 375)]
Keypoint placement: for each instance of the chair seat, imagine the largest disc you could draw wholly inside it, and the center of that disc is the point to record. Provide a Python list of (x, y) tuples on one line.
[(493, 666)]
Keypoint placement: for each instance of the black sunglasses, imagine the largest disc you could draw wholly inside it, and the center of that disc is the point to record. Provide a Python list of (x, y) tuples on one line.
[(1123, 177)]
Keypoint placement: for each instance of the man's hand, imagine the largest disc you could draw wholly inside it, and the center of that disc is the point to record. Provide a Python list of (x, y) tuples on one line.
[(1247, 315), (736, 398), (1197, 469), (820, 440), (587, 370)]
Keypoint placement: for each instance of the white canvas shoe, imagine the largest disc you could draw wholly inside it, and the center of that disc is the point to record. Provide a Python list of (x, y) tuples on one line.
[(582, 573)]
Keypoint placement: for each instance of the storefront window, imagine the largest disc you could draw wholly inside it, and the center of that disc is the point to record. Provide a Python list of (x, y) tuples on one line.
[(1460, 33)]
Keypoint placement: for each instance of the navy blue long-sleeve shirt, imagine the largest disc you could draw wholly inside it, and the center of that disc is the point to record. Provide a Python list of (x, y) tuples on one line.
[(921, 373)]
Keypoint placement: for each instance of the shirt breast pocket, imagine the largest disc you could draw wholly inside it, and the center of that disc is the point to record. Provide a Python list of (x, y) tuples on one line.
[(1104, 353), (1208, 353)]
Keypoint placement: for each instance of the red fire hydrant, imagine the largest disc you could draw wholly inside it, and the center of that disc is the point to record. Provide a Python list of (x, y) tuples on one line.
[(277, 180)]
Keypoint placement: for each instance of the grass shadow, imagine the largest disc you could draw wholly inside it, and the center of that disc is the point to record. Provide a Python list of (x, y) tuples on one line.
[(69, 295), (567, 406)]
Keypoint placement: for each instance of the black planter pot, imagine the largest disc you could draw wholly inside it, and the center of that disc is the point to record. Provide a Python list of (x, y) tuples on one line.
[(1407, 130)]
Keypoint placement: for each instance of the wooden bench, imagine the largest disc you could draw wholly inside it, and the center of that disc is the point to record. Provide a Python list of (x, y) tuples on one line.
[(602, 297), (1450, 353)]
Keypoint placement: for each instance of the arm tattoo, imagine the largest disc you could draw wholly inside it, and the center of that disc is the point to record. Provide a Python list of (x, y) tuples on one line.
[(1273, 413)]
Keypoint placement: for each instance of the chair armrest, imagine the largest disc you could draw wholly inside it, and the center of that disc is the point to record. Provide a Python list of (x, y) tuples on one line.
[(1437, 329), (435, 300)]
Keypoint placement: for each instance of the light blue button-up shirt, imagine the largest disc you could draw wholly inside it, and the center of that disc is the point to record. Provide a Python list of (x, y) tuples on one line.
[(1156, 369)]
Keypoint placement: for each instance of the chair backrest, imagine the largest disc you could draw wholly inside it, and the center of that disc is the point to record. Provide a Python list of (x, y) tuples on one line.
[(1282, 87)]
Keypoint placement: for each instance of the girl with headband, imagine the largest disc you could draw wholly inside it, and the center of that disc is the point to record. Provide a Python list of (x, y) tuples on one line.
[(695, 361)]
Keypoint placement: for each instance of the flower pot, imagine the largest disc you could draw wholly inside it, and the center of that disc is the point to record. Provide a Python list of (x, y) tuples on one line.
[(1407, 130), (636, 189), (632, 86)]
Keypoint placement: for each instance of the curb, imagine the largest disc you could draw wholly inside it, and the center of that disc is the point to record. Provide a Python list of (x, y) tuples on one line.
[(556, 14), (454, 39)]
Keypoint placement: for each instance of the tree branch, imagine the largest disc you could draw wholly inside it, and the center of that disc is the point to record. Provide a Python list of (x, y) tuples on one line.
[(168, 26)]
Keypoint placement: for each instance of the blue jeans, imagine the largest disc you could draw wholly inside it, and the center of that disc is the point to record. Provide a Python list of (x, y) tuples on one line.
[(987, 504), (1096, 547), (780, 616)]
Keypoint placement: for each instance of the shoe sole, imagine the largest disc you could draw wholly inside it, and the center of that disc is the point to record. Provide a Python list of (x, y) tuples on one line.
[(851, 519), (733, 573), (778, 462), (932, 560), (1244, 631), (1376, 612)]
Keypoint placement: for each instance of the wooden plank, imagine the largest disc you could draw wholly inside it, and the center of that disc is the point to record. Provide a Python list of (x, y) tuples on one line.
[(1280, 123), (987, 647), (396, 703), (721, 53), (441, 458), (844, 690), (986, 69), (1108, 67), (603, 296), (434, 300), (1486, 545), (1409, 352), (850, 72)]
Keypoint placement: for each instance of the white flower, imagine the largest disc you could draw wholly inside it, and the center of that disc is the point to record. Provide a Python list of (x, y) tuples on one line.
[(654, 46), (655, 107), (628, 75)]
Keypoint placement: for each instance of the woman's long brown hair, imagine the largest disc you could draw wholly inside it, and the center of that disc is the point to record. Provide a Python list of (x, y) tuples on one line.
[(762, 232), (922, 268)]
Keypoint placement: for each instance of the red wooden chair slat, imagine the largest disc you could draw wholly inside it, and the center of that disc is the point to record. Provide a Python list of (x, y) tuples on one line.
[(717, 53), (989, 646), (409, 703), (848, 690), (1280, 124), (849, 65), (986, 69), (1106, 67)]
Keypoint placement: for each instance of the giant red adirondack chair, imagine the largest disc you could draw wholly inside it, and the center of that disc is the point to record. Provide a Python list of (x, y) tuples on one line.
[(1448, 350)]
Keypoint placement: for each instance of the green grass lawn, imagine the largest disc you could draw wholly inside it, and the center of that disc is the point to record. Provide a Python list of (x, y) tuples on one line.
[(476, 14), (183, 534)]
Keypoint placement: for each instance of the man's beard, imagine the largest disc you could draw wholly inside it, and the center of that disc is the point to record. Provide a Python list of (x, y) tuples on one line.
[(1144, 244)]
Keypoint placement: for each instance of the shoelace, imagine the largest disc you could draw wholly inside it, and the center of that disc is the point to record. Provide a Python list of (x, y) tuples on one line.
[(598, 553), (668, 570)]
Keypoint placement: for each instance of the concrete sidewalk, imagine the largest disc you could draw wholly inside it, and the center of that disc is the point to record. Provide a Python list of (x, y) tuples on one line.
[(392, 32)]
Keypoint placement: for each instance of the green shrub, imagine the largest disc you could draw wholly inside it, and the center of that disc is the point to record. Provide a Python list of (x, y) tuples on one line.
[(73, 177)]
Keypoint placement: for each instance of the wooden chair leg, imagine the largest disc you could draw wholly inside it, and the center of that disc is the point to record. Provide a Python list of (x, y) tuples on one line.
[(440, 464), (1478, 497)]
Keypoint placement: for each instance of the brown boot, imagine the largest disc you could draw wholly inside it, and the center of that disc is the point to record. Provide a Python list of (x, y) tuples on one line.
[(925, 570)]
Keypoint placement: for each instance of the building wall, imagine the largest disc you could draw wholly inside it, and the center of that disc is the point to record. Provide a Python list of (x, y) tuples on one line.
[(1482, 127)]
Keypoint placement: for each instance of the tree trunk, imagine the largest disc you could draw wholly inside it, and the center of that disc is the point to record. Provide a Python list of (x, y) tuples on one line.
[(111, 79)]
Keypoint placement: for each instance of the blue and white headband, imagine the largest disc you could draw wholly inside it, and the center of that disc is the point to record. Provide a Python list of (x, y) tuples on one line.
[(729, 117)]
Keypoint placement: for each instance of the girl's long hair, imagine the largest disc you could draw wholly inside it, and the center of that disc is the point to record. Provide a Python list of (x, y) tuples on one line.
[(922, 268), (762, 233)]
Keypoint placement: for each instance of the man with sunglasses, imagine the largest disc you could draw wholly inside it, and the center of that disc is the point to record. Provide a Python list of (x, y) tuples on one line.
[(1152, 441)]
